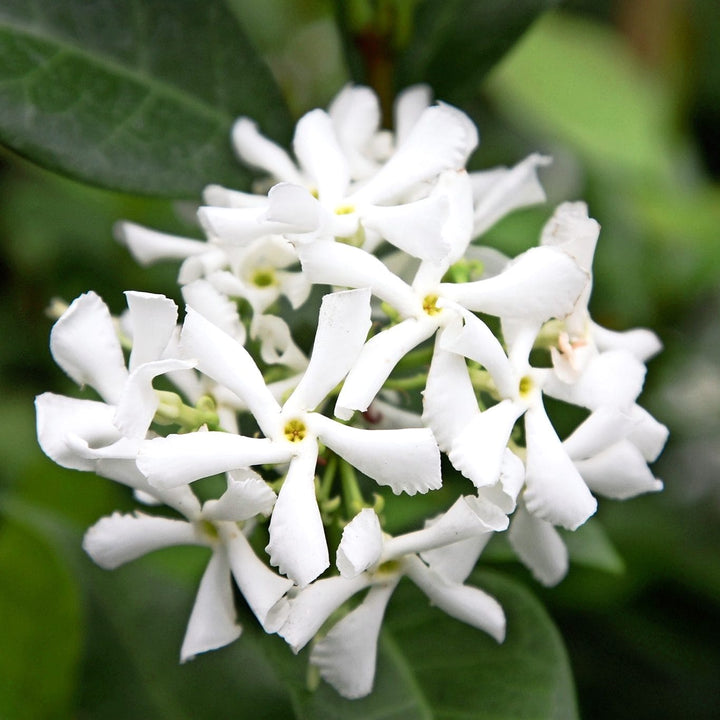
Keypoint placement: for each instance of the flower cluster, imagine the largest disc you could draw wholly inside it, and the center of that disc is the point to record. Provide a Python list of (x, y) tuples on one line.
[(425, 343)]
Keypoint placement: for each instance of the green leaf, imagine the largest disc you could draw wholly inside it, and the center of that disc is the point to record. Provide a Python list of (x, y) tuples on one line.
[(132, 95), (40, 639), (431, 666), (455, 42)]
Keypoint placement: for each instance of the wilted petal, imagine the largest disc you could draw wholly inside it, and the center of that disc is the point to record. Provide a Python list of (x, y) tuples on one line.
[(297, 544), (320, 155), (117, 539), (361, 545), (255, 149), (228, 363), (213, 621), (152, 320), (540, 284), (414, 227), (247, 495), (313, 605), (619, 472), (555, 490), (478, 451), (148, 246), (343, 325), (84, 344), (466, 603), (180, 459), (346, 656), (406, 460), (263, 589), (376, 361), (539, 545), (333, 263)]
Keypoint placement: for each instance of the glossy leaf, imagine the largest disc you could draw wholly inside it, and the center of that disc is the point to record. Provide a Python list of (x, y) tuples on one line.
[(132, 95)]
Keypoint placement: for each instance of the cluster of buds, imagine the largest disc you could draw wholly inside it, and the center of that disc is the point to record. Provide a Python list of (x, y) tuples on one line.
[(425, 343)]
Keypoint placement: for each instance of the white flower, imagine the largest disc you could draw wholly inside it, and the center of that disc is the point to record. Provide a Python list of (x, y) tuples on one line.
[(407, 460)]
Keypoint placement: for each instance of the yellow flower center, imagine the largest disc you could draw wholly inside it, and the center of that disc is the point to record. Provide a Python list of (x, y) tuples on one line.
[(429, 305), (344, 209), (526, 386), (295, 430), (264, 277)]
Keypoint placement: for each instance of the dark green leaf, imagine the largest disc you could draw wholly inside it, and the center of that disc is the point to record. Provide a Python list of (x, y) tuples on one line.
[(132, 95), (455, 42), (40, 639)]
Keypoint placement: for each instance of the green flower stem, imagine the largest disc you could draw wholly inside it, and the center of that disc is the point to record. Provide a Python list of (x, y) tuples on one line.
[(414, 382), (173, 411), (352, 496)]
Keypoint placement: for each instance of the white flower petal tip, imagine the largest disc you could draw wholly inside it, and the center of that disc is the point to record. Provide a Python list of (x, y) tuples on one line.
[(361, 545)]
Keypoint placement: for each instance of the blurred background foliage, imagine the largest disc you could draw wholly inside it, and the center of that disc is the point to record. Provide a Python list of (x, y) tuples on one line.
[(625, 96)]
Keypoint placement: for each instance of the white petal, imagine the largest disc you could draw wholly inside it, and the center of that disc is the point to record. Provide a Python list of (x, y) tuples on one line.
[(642, 343), (410, 104), (152, 319), (571, 229), (346, 656), (514, 188), (406, 460), (619, 472), (649, 435), (241, 226), (61, 418), (214, 306), (414, 227), (148, 246), (539, 546), (442, 139), (139, 400), (361, 545), (294, 207), (466, 603), (297, 544), (320, 155), (467, 517), (247, 495), (256, 150), (117, 539), (313, 605), (332, 263), (478, 451), (449, 402), (276, 344), (180, 459), (475, 340), (603, 427), (539, 284), (84, 344), (263, 590), (343, 325), (228, 363), (455, 562), (457, 230), (614, 379), (555, 490), (213, 621)]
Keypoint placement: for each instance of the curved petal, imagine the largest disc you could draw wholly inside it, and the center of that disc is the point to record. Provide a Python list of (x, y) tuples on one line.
[(406, 460), (276, 344), (297, 544), (539, 545), (247, 495), (294, 207), (555, 489), (466, 603), (642, 343), (333, 263), (228, 363), (213, 621), (376, 361), (180, 459), (618, 472), (263, 590), (361, 545), (313, 605), (148, 246), (117, 539), (649, 435), (255, 149), (343, 325), (410, 104), (346, 656), (603, 427), (539, 284), (320, 155), (455, 562), (241, 226), (153, 319), (414, 227), (85, 345), (202, 296)]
